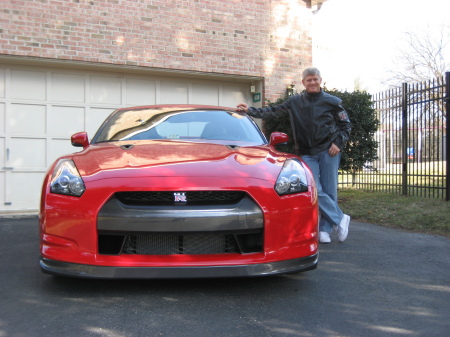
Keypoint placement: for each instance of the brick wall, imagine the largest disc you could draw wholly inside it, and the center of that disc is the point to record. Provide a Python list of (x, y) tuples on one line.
[(267, 38)]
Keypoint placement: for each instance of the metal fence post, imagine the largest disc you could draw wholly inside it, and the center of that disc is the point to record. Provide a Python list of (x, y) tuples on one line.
[(404, 138), (447, 135)]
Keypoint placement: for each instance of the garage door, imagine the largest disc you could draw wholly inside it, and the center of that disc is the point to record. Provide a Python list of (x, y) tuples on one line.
[(40, 108)]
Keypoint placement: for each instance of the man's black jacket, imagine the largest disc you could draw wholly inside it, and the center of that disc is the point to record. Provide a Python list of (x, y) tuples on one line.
[(317, 119)]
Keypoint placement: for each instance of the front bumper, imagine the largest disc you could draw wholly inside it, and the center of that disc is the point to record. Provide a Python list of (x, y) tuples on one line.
[(107, 272)]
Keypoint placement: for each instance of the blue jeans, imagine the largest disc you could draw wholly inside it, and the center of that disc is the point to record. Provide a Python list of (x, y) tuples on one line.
[(325, 171)]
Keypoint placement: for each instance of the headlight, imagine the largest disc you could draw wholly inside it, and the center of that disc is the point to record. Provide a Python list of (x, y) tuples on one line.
[(66, 179), (292, 178)]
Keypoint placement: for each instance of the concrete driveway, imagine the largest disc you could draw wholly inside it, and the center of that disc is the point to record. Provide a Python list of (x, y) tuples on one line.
[(380, 282)]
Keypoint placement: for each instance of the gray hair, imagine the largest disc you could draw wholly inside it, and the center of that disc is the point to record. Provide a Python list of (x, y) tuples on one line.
[(311, 72)]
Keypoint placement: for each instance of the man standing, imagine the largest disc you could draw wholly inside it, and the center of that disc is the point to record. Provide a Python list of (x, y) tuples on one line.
[(321, 129)]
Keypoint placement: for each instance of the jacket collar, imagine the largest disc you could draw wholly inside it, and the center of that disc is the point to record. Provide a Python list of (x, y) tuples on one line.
[(312, 95)]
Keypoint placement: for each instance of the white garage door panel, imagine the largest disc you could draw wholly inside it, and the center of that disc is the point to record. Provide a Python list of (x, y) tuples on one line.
[(26, 119), (65, 121), (174, 93), (60, 147), (205, 94), (2, 118), (2, 187), (29, 85), (106, 90), (95, 118), (2, 82), (26, 188), (140, 92), (68, 88), (27, 153), (231, 95), (2, 153)]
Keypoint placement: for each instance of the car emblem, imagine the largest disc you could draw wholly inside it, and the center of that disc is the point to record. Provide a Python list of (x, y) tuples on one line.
[(180, 197)]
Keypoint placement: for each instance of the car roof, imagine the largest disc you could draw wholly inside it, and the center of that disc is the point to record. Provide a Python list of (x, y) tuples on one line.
[(177, 107)]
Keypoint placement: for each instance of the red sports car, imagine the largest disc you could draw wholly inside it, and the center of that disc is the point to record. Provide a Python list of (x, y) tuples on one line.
[(178, 191)]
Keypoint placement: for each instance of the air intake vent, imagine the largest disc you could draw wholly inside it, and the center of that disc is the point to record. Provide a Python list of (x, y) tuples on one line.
[(168, 244), (182, 243)]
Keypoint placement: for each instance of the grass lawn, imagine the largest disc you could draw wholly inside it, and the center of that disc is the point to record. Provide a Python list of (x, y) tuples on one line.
[(418, 214)]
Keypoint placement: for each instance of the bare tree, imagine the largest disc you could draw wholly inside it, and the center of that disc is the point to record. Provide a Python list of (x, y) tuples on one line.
[(425, 55), (422, 62)]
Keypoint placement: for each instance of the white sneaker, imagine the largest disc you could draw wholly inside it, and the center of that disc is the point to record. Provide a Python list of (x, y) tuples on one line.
[(343, 228), (324, 237)]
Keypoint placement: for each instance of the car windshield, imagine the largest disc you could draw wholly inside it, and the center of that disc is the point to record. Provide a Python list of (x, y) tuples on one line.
[(179, 124)]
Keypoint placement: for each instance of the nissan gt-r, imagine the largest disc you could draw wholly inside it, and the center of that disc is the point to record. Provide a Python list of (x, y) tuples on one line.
[(178, 191)]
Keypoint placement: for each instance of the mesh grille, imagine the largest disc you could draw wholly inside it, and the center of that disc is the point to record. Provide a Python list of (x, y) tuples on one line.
[(167, 244), (156, 198)]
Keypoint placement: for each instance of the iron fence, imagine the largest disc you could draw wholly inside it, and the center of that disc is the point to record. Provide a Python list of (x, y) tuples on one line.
[(413, 142)]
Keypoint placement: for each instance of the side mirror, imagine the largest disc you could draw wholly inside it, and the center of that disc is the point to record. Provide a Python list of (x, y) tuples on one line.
[(277, 138), (80, 139)]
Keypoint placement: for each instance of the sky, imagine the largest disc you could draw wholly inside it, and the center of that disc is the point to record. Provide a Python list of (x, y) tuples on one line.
[(359, 39)]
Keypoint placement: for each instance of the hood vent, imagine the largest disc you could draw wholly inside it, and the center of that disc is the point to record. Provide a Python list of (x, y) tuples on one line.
[(233, 147), (127, 147)]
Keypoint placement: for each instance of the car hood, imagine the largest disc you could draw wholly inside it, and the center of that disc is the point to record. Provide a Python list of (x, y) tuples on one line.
[(178, 158)]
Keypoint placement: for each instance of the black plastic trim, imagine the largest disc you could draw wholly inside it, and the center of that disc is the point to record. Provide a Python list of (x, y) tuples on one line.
[(106, 272)]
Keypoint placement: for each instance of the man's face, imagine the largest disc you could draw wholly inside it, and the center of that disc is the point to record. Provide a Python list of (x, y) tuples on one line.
[(312, 83)]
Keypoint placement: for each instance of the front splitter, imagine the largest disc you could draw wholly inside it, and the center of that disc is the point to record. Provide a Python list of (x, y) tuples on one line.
[(108, 272)]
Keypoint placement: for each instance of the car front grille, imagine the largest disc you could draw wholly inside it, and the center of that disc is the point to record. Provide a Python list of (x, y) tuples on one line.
[(186, 243), (168, 244), (203, 222), (167, 198)]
